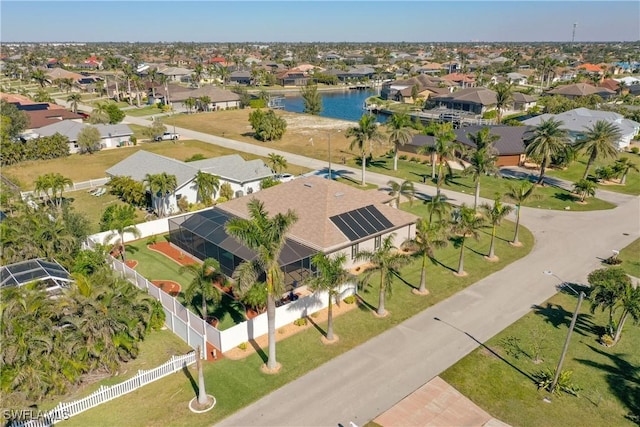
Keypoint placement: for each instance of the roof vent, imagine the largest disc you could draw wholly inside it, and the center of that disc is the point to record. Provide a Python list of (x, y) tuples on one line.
[(339, 194), (308, 184)]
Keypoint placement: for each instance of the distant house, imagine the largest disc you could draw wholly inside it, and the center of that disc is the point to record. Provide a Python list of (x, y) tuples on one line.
[(509, 147), (176, 74), (460, 80), (396, 90), (517, 78), (292, 78), (243, 176), (578, 90), (241, 77), (111, 136), (476, 100), (221, 99), (577, 121), (522, 101)]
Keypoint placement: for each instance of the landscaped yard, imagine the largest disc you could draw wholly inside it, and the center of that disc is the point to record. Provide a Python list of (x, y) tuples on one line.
[(630, 257), (92, 207), (235, 384), (576, 170)]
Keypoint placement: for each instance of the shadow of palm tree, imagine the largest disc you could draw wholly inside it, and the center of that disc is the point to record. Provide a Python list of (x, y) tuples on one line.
[(315, 325), (396, 274), (556, 315), (623, 378), (565, 197), (192, 381), (259, 350)]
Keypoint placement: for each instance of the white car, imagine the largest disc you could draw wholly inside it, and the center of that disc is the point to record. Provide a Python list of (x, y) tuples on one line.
[(285, 177), (167, 136)]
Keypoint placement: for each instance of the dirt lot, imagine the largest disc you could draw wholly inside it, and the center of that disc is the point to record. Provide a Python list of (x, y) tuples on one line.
[(306, 135)]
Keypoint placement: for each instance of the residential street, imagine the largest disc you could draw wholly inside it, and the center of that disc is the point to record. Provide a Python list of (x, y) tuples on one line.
[(360, 384)]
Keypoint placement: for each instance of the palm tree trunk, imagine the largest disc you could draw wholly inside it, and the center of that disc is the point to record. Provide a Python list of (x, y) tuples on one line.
[(492, 245), (623, 319), (381, 310), (477, 195), (364, 166), (543, 167), (129, 90), (592, 157), (395, 157), (433, 165), (515, 237), (271, 326), (423, 275), (623, 180), (122, 254), (461, 259), (204, 305), (202, 394), (330, 318)]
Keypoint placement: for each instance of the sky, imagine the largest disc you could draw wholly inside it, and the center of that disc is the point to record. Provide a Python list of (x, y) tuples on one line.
[(318, 21)]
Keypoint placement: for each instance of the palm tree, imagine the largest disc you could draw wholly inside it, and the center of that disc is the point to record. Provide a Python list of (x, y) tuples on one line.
[(152, 78), (161, 186), (40, 77), (547, 140), (429, 237), (122, 221), (202, 285), (622, 167), (519, 194), (277, 163), (100, 113), (600, 141), (43, 184), (266, 236), (445, 150), (405, 189), (466, 223), (224, 74), (386, 260), (504, 98), (495, 214), (585, 188), (399, 126), (127, 70), (481, 162), (58, 184), (330, 275), (74, 99), (207, 186), (198, 71), (364, 135), (439, 207)]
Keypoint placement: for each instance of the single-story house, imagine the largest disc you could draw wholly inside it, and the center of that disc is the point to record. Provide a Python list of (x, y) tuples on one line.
[(510, 146), (517, 78), (292, 78), (578, 90), (241, 77), (221, 99), (111, 136), (332, 218), (577, 121), (522, 101), (476, 100), (243, 176), (176, 74)]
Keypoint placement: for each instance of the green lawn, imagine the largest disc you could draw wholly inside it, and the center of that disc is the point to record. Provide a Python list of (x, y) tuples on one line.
[(147, 110), (550, 197), (496, 376), (576, 170), (93, 207), (235, 384), (630, 257)]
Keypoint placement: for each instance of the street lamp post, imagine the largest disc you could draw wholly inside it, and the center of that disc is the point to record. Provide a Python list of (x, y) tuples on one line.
[(329, 146), (572, 325)]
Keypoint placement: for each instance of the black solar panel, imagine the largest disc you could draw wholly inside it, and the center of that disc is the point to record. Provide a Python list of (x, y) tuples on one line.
[(360, 223)]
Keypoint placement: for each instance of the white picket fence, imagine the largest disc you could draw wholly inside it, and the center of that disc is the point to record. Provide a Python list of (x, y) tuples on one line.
[(84, 185), (104, 394)]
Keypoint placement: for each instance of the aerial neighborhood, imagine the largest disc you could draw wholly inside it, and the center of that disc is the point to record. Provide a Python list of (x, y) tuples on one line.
[(422, 218)]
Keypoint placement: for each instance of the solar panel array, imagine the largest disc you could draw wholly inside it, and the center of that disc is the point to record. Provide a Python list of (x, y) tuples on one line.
[(361, 223)]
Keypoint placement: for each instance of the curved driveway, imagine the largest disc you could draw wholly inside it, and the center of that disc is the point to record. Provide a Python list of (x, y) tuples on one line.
[(362, 383)]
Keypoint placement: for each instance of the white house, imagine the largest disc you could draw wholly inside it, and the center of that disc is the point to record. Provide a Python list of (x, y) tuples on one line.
[(243, 176), (577, 121), (111, 136)]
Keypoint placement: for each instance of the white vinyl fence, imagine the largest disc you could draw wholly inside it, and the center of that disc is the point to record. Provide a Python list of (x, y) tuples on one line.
[(67, 410), (84, 185)]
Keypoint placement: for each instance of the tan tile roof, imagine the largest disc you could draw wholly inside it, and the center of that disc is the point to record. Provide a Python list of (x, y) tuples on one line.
[(315, 200)]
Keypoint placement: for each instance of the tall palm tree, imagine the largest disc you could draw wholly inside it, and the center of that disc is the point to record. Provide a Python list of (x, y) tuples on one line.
[(161, 185), (495, 214), (201, 285), (466, 223), (39, 76), (128, 72), (224, 74), (207, 186), (406, 189), (548, 140), (386, 260), (438, 207), (482, 162), (504, 98), (622, 167), (600, 141), (44, 184), (277, 163), (122, 221), (267, 237), (58, 184), (198, 72), (429, 237), (443, 151), (74, 99), (519, 194), (330, 275), (399, 126), (152, 78), (364, 136), (584, 188)]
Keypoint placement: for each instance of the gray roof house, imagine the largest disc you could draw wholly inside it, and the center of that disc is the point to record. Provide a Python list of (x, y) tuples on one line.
[(243, 176), (111, 135), (577, 121), (473, 99)]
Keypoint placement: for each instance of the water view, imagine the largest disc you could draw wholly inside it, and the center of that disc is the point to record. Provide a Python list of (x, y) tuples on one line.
[(344, 105)]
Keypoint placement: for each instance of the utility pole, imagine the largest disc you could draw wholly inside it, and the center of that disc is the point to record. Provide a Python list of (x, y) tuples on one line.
[(573, 35)]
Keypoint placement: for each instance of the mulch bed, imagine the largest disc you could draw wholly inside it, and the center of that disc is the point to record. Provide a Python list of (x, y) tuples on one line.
[(132, 263), (169, 286), (172, 252)]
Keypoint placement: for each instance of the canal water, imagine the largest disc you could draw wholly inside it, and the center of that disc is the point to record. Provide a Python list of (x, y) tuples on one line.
[(345, 105)]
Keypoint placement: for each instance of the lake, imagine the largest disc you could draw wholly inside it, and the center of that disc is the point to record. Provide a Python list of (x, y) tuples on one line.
[(344, 105)]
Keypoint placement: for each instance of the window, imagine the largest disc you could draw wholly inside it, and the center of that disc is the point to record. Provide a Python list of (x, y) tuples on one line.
[(377, 241), (354, 251)]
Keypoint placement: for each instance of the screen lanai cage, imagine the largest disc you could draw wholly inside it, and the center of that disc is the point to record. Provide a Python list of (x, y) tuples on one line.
[(202, 235)]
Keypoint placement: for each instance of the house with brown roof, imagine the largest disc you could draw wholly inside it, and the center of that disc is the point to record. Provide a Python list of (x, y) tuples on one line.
[(460, 80), (332, 218), (221, 99), (476, 100), (578, 90)]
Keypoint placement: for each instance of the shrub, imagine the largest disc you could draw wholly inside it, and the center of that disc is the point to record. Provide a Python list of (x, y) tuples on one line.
[(152, 240), (607, 340), (613, 260), (242, 346), (605, 173), (635, 150), (350, 299), (402, 157), (300, 322), (493, 114), (415, 159), (195, 157), (544, 379)]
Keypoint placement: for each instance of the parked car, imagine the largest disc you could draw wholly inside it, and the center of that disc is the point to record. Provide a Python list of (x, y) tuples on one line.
[(285, 177), (167, 136)]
